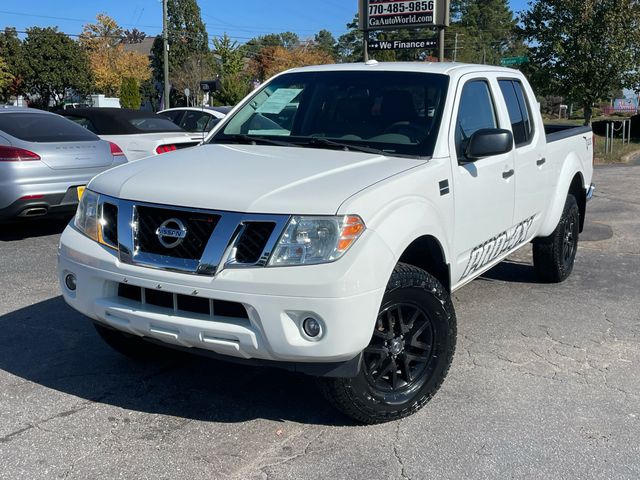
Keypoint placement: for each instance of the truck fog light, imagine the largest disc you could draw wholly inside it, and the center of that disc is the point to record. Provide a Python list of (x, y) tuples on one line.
[(311, 327), (70, 282)]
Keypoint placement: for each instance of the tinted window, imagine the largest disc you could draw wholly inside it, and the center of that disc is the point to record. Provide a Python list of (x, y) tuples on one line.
[(476, 112), (84, 123), (518, 110), (398, 112), (195, 121), (155, 124), (174, 115), (43, 128)]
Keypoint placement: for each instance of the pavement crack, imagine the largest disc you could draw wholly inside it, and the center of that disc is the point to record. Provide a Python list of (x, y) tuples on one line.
[(396, 453)]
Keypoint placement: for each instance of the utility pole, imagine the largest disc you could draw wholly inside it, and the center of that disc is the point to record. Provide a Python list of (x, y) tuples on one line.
[(165, 46), (365, 45), (455, 49), (441, 44)]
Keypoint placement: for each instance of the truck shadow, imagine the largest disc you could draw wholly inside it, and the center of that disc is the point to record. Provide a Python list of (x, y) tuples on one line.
[(51, 345), (11, 231), (511, 271)]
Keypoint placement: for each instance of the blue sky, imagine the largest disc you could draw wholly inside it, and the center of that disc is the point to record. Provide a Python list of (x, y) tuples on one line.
[(241, 19)]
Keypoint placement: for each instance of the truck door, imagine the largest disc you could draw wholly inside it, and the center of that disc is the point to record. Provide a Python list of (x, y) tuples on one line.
[(534, 183), (484, 190)]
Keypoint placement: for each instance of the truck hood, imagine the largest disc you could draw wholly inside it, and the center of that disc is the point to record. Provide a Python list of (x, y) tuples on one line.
[(250, 178)]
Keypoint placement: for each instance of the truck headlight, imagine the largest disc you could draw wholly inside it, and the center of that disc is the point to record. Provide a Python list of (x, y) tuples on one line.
[(313, 240), (86, 219)]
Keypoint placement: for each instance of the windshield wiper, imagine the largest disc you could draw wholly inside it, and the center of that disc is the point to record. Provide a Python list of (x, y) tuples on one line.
[(325, 142), (251, 140)]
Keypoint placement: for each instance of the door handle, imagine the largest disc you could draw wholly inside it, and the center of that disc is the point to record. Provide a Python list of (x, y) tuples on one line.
[(541, 162), (508, 173)]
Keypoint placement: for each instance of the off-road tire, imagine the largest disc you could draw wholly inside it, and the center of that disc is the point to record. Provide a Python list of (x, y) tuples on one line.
[(362, 398), (554, 256), (131, 346)]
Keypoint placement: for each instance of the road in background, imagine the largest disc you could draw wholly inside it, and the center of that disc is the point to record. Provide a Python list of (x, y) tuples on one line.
[(545, 382)]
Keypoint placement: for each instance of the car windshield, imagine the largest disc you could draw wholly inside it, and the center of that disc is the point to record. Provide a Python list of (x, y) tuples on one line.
[(397, 113)]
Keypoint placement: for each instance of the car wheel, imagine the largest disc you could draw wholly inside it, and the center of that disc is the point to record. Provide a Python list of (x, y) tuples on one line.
[(554, 256), (409, 354)]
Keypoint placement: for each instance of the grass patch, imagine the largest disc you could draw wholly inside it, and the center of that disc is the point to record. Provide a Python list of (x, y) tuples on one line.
[(619, 150)]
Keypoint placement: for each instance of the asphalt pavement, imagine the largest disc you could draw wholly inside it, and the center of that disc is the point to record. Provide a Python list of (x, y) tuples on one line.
[(545, 382)]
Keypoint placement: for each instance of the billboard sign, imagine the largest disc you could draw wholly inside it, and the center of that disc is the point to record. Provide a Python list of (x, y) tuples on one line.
[(402, 44), (394, 14)]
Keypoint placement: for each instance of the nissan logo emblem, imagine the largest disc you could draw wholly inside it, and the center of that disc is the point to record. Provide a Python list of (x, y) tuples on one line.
[(171, 233)]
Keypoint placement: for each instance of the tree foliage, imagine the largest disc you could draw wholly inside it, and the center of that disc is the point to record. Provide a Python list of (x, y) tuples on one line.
[(284, 40), (326, 42), (583, 50), (130, 93), (273, 60), (53, 64), (233, 79), (187, 37), (486, 29), (191, 74), (6, 77), (11, 51), (110, 62)]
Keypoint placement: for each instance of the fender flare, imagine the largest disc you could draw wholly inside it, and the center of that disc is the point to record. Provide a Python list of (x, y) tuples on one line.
[(570, 168)]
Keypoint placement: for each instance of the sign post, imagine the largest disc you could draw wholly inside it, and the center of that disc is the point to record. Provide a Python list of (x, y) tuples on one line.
[(394, 14)]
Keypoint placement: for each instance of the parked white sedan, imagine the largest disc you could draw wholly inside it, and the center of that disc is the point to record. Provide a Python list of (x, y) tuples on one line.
[(198, 121), (138, 134)]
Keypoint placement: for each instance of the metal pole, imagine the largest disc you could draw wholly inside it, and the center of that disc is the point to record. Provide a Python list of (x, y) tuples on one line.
[(441, 44), (165, 41), (455, 49), (624, 131), (606, 141), (365, 44)]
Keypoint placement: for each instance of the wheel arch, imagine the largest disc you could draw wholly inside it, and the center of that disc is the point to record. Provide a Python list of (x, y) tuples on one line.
[(426, 252), (570, 181)]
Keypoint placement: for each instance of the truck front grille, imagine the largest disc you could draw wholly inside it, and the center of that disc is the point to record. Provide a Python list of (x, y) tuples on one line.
[(253, 241), (182, 303), (199, 227)]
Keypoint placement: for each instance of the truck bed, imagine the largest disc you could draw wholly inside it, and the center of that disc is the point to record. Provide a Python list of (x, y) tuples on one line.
[(558, 132)]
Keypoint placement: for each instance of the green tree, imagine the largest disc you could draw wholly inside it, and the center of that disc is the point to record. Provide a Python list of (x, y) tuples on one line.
[(187, 37), (285, 39), (233, 80), (53, 65), (486, 30), (5, 75), (326, 42), (583, 50), (11, 51), (130, 93)]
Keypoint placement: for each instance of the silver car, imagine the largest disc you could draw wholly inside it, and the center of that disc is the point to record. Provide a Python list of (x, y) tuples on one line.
[(46, 160)]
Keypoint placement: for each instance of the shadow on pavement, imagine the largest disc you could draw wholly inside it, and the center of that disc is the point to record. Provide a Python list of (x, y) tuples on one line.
[(11, 231), (511, 271), (52, 345)]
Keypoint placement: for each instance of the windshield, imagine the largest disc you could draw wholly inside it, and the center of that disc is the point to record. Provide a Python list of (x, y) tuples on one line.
[(43, 128), (398, 113)]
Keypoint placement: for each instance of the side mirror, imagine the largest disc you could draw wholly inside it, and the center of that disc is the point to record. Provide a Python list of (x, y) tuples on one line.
[(487, 142)]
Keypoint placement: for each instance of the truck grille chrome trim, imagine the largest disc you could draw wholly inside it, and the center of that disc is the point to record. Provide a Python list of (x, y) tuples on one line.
[(228, 240)]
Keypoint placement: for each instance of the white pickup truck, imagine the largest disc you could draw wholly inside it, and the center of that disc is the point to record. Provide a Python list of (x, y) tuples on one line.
[(325, 223)]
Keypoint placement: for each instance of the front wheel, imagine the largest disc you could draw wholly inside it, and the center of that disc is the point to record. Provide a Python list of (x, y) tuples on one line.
[(553, 256), (409, 354)]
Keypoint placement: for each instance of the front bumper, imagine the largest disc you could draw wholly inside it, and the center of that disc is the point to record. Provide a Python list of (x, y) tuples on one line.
[(344, 296)]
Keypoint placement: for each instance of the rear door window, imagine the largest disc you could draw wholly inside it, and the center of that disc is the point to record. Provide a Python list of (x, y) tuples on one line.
[(518, 109), (43, 128)]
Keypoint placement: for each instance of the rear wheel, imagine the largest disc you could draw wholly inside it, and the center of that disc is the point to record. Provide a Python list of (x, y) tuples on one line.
[(409, 355), (554, 256)]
